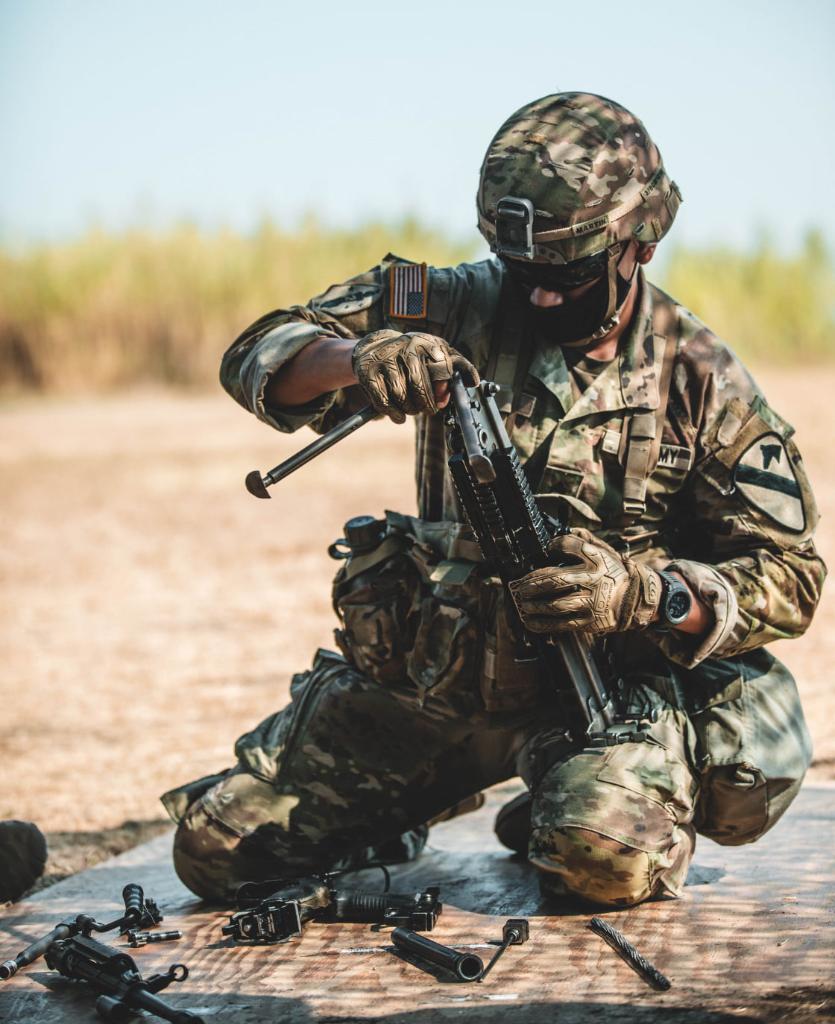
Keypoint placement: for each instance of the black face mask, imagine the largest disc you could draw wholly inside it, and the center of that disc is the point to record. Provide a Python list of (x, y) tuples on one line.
[(579, 318)]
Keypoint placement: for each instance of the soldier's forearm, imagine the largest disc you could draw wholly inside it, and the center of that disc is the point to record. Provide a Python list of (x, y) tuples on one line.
[(319, 368)]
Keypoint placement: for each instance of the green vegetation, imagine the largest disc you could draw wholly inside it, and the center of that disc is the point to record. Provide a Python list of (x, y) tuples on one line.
[(770, 307), (107, 311)]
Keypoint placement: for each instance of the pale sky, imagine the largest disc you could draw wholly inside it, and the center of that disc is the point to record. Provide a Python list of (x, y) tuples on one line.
[(148, 111)]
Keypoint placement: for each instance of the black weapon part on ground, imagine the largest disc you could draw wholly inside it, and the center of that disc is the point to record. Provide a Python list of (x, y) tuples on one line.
[(516, 932), (117, 980), (257, 484), (281, 915), (418, 911), (139, 913), (465, 966), (137, 938), (621, 945), (36, 949)]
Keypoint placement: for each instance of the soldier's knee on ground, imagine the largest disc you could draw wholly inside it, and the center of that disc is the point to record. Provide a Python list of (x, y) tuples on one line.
[(613, 824), (580, 862), (203, 855), (231, 835)]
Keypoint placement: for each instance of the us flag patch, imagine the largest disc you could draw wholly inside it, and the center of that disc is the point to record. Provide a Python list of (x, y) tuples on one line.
[(407, 291)]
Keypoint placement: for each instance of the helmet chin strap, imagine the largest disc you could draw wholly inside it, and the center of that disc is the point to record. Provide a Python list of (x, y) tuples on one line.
[(614, 310)]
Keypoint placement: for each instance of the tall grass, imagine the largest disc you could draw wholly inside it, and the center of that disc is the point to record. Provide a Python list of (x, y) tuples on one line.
[(107, 311), (771, 307)]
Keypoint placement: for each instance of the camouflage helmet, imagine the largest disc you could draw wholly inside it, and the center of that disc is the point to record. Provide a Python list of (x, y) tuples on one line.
[(587, 169)]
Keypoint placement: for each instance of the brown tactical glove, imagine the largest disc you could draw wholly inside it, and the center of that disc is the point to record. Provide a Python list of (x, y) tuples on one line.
[(396, 371), (593, 590)]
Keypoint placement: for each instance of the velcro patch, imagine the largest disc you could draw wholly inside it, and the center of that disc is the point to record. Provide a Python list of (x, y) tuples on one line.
[(765, 476), (673, 456), (407, 291)]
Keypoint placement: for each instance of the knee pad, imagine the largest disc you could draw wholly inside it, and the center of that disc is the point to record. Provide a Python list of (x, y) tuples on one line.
[(581, 862), (203, 856)]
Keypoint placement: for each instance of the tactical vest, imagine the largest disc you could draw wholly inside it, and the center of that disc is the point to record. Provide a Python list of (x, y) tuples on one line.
[(640, 443)]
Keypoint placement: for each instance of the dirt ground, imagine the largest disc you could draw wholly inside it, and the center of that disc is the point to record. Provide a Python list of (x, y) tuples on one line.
[(152, 610)]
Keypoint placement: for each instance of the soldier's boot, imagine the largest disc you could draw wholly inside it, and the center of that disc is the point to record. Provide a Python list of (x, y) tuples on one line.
[(513, 823), (22, 858)]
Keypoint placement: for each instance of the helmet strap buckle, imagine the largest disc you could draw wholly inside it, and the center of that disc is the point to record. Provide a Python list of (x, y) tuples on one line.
[(606, 326)]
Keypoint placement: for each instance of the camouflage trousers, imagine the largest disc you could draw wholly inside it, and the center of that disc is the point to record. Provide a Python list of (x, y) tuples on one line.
[(428, 705), (350, 765)]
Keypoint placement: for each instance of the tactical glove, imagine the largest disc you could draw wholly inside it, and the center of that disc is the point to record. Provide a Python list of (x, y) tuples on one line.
[(593, 590), (396, 371)]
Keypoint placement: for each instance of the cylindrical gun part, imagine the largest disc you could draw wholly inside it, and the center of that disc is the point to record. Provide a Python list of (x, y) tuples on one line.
[(621, 945), (134, 899), (143, 999), (360, 906), (259, 487), (466, 966), (109, 1008), (10, 968), (137, 938)]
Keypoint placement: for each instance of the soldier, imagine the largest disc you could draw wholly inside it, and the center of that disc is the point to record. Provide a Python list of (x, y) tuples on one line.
[(691, 549)]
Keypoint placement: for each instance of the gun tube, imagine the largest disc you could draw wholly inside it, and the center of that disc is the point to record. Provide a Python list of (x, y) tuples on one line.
[(527, 547), (37, 949), (257, 485), (466, 966)]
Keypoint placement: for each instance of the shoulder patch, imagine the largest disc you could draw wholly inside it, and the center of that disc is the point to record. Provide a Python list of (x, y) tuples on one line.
[(343, 299), (766, 478), (407, 291)]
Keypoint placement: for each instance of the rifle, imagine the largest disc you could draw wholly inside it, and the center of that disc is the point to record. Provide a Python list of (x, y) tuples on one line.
[(115, 976), (139, 913), (277, 910), (514, 536)]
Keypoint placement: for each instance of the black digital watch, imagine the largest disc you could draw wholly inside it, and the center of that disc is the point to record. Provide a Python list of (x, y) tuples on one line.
[(676, 600)]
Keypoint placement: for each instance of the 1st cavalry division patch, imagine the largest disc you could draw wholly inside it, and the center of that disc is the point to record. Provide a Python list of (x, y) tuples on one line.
[(765, 476), (407, 291)]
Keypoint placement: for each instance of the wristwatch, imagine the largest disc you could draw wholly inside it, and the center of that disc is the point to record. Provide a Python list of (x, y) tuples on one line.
[(676, 601)]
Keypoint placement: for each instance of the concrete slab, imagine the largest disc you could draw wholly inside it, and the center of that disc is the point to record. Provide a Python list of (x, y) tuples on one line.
[(753, 940)]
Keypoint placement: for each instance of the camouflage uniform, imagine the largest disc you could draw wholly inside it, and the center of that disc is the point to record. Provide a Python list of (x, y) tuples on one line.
[(425, 705), (669, 453)]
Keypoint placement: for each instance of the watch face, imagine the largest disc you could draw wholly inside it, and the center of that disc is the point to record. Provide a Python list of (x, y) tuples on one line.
[(677, 606)]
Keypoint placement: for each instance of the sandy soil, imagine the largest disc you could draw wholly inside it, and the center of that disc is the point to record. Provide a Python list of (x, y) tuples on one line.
[(152, 610)]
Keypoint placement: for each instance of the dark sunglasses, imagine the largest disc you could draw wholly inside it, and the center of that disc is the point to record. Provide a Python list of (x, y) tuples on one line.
[(554, 277)]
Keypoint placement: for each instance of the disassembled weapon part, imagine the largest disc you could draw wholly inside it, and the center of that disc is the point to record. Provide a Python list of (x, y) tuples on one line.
[(465, 966), (621, 945), (137, 938), (516, 932)]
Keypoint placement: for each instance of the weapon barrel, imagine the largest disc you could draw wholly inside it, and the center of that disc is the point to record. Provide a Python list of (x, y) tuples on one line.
[(32, 952), (466, 966), (578, 660)]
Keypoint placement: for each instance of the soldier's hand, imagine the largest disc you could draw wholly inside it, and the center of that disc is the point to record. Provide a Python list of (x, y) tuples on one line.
[(593, 589), (404, 374)]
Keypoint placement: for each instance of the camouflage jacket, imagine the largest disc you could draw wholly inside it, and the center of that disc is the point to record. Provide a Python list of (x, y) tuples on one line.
[(724, 498)]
